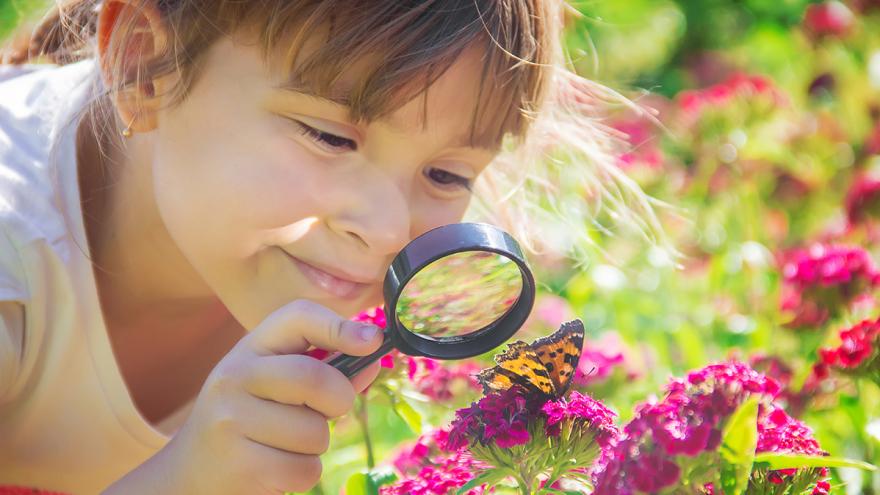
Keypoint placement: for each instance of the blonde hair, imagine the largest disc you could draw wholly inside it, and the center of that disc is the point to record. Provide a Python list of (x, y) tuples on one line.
[(557, 169)]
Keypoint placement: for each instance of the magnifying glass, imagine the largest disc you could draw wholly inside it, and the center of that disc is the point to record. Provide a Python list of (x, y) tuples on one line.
[(454, 292)]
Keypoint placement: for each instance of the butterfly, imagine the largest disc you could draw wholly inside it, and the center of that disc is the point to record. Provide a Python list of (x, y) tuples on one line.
[(544, 367)]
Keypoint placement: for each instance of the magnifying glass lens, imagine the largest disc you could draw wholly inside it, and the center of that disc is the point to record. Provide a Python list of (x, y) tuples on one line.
[(459, 294)]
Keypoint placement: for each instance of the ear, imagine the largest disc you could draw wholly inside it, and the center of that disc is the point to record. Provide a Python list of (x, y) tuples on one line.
[(130, 33)]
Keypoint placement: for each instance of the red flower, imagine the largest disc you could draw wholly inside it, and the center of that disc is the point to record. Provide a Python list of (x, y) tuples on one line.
[(858, 348), (831, 18)]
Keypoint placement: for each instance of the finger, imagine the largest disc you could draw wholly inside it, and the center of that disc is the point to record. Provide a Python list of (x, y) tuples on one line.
[(296, 326), (300, 380), (291, 428), (365, 377), (280, 471)]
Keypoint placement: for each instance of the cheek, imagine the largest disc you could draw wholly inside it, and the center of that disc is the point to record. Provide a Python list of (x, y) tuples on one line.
[(221, 189)]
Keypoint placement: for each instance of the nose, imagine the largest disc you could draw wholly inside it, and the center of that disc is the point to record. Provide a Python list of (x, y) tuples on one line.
[(378, 218)]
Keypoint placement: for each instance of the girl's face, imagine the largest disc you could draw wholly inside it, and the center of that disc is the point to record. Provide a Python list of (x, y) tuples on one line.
[(273, 195)]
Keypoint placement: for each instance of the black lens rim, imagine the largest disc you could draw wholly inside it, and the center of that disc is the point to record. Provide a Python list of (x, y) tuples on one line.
[(421, 252)]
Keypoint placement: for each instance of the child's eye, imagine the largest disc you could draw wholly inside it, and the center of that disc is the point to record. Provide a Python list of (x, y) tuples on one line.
[(447, 179), (330, 142)]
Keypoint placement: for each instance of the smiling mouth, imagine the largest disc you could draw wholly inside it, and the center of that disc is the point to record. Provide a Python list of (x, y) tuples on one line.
[(331, 284)]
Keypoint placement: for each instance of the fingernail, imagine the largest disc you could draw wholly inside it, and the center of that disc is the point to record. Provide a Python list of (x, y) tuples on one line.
[(368, 332)]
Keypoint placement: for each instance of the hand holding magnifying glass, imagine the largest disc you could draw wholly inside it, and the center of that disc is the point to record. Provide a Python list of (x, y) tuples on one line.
[(454, 292)]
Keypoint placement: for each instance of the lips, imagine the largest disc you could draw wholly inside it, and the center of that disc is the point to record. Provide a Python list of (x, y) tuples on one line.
[(335, 284)]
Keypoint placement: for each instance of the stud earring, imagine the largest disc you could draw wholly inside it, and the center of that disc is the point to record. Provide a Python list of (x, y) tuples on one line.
[(126, 133)]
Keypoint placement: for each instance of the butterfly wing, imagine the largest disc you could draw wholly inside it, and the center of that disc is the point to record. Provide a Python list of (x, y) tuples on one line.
[(560, 353), (518, 365)]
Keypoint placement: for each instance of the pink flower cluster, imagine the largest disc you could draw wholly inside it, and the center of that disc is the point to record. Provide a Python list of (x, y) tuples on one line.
[(582, 413), (644, 149), (830, 18), (442, 382), (500, 418), (506, 418), (596, 364), (428, 468), (859, 348), (687, 422), (821, 281), (779, 432), (738, 86)]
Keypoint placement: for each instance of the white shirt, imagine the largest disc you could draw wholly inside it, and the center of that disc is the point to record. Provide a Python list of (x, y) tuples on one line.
[(67, 421)]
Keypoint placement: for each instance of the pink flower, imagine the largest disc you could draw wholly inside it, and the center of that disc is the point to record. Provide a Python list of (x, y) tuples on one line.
[(376, 316), (443, 476), (595, 366), (500, 418), (441, 381), (643, 140), (830, 18), (551, 310), (738, 87), (779, 432), (820, 281), (584, 413), (687, 422)]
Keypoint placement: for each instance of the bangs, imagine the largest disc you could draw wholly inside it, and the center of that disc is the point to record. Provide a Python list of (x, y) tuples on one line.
[(403, 47)]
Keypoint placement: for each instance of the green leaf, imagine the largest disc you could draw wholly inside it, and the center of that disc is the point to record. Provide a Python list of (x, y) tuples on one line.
[(488, 477), (383, 477), (407, 413), (361, 484), (772, 460), (738, 442)]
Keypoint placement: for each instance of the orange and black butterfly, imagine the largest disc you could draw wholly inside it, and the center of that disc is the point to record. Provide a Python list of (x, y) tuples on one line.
[(545, 367)]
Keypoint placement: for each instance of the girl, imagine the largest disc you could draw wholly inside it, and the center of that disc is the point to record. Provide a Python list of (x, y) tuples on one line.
[(201, 190)]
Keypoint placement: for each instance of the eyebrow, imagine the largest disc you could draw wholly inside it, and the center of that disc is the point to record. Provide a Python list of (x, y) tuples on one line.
[(341, 99)]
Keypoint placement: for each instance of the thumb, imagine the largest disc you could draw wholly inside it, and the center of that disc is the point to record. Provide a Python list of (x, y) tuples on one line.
[(296, 326)]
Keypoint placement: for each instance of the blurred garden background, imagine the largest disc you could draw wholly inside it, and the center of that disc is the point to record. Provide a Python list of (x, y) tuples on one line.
[(770, 145)]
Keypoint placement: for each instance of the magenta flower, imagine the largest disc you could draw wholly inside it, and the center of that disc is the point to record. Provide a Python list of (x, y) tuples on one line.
[(685, 424), (442, 382), (535, 439), (583, 413), (499, 418), (443, 476), (821, 281)]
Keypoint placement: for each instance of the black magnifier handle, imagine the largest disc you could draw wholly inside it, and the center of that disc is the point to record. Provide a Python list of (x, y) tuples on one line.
[(351, 365)]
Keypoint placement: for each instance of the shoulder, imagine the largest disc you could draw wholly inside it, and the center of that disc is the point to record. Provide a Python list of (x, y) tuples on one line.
[(37, 164)]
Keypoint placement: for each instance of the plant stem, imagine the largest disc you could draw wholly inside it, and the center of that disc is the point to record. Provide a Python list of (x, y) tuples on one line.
[(361, 415)]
